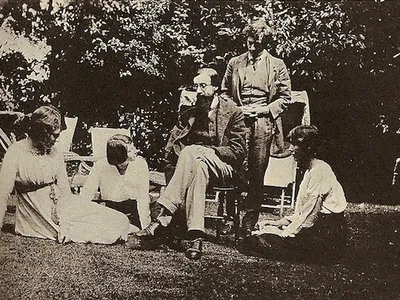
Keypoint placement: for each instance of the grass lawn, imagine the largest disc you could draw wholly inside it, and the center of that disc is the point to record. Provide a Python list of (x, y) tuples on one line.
[(40, 269)]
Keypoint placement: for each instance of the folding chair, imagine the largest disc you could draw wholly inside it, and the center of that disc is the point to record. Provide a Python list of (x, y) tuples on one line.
[(5, 142), (396, 172), (282, 170), (217, 194), (280, 175)]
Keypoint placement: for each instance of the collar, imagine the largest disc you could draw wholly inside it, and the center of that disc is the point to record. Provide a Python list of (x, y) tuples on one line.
[(262, 55), (214, 103)]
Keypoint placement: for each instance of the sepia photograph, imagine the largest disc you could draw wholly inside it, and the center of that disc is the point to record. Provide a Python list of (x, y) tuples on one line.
[(199, 149)]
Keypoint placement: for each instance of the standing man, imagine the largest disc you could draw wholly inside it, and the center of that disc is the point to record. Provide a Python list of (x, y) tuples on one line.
[(260, 84), (207, 144)]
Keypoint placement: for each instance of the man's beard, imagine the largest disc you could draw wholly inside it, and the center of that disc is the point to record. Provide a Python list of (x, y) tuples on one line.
[(203, 103)]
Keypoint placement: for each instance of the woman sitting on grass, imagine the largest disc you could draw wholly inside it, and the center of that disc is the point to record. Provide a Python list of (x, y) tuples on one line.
[(317, 229), (123, 180), (46, 207)]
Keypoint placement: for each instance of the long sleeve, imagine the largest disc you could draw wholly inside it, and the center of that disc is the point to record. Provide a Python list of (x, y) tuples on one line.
[(8, 174), (282, 98), (143, 186), (226, 85), (92, 184), (311, 194), (62, 180)]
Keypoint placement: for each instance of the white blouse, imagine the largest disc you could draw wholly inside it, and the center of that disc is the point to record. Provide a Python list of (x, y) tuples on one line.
[(319, 192), (134, 184)]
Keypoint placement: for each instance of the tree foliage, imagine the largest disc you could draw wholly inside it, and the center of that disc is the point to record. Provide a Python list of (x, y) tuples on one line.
[(121, 63)]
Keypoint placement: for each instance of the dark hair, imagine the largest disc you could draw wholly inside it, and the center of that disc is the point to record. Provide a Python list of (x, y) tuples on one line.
[(117, 149), (308, 137), (215, 79), (44, 120), (258, 29)]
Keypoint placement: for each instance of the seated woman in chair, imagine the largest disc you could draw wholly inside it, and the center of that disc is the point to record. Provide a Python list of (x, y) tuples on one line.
[(123, 180), (46, 207), (317, 229)]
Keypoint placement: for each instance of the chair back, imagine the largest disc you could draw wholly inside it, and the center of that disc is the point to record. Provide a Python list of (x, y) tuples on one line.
[(100, 136), (302, 97), (281, 172), (65, 140), (5, 141)]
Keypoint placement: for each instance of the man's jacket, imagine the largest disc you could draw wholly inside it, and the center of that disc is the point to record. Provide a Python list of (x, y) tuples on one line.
[(230, 134), (279, 88)]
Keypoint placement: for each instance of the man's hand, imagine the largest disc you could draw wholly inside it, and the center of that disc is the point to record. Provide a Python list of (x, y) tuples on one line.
[(225, 169), (187, 98), (255, 110)]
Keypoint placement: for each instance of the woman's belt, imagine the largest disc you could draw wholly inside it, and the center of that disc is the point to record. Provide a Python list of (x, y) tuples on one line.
[(26, 188), (53, 195)]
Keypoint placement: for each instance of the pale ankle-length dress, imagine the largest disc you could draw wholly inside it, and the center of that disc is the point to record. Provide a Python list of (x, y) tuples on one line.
[(46, 207)]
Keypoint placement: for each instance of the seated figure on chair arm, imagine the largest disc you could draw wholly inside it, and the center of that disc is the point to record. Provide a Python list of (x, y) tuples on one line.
[(207, 143)]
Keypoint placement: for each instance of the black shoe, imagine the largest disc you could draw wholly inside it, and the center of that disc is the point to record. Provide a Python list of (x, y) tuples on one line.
[(195, 250), (149, 231)]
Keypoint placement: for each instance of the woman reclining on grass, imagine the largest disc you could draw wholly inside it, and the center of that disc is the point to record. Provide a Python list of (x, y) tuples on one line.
[(46, 207), (317, 229)]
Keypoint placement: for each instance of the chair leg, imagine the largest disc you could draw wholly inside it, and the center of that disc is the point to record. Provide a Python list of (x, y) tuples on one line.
[(220, 212), (236, 217), (232, 200), (282, 203)]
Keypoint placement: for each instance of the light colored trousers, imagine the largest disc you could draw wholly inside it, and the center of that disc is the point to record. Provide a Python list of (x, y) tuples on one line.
[(187, 188)]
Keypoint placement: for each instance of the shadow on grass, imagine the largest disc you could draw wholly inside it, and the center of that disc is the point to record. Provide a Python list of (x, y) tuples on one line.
[(8, 228)]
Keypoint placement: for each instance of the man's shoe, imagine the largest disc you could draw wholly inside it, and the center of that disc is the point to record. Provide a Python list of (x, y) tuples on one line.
[(195, 250), (149, 231)]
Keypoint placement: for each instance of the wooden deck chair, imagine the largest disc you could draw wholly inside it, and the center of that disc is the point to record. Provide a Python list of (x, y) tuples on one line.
[(5, 141), (99, 138), (280, 176), (64, 144), (65, 140)]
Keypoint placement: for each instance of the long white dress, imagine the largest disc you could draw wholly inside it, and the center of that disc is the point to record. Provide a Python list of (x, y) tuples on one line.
[(46, 207)]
